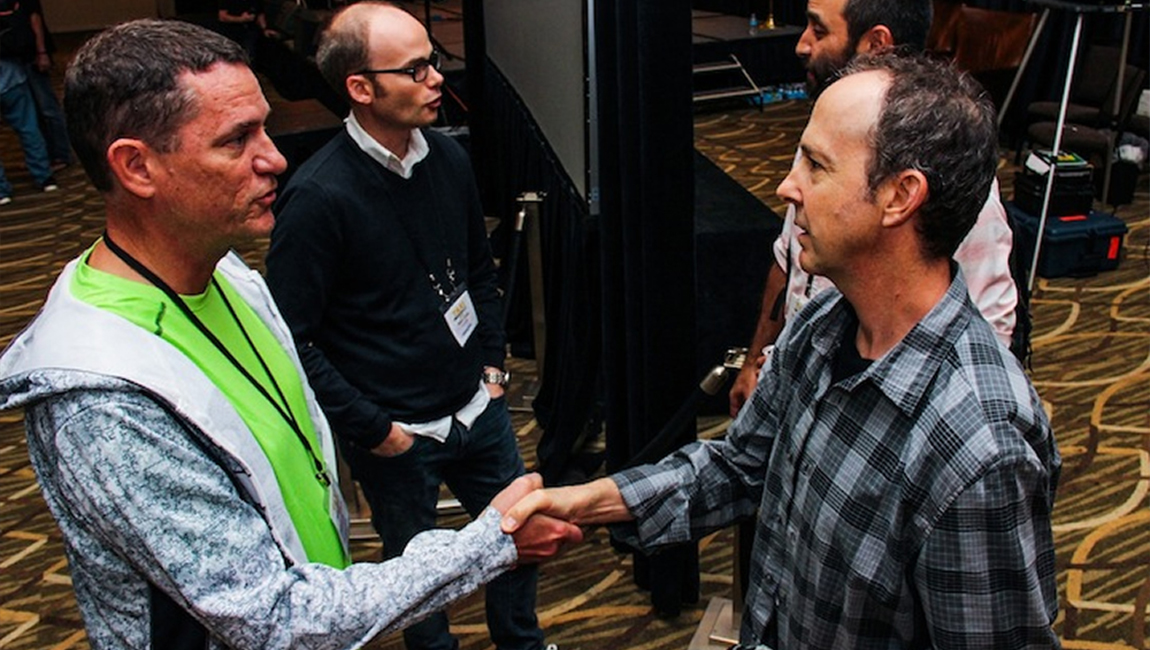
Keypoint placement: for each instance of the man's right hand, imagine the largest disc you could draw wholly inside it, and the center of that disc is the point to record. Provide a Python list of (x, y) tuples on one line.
[(540, 537), (396, 442), (766, 332), (744, 385), (597, 502)]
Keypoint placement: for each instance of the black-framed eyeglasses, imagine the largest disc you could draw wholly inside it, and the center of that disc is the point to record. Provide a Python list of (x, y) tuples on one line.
[(418, 71)]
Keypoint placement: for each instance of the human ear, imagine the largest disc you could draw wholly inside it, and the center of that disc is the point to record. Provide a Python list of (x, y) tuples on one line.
[(902, 197), (876, 39), (130, 162), (359, 89)]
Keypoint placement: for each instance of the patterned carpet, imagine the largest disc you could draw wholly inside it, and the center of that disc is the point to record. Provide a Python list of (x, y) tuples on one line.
[(1091, 365)]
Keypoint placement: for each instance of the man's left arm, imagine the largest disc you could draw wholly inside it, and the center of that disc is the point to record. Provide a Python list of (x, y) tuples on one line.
[(984, 255), (42, 61), (986, 573)]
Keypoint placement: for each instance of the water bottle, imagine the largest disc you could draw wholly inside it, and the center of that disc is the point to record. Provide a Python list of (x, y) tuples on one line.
[(754, 25)]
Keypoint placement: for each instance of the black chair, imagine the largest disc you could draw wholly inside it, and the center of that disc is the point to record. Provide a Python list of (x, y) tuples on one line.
[(1092, 131), (1091, 93)]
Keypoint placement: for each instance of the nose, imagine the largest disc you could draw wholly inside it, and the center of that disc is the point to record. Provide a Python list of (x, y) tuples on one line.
[(268, 159), (788, 190), (434, 78), (803, 47)]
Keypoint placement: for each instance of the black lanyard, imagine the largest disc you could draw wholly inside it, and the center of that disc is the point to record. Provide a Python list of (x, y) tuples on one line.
[(284, 410), (436, 283)]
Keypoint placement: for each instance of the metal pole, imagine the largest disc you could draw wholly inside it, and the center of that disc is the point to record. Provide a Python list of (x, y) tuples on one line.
[(1022, 66), (529, 203), (1119, 95), (1057, 148)]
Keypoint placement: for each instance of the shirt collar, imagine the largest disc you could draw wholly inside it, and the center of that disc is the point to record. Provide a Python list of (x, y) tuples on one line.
[(417, 148), (905, 372)]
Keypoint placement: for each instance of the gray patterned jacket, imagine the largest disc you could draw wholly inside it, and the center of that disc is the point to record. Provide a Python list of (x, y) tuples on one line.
[(163, 496)]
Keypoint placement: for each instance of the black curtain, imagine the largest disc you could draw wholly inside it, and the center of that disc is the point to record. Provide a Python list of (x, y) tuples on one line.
[(620, 303), (511, 156), (647, 235)]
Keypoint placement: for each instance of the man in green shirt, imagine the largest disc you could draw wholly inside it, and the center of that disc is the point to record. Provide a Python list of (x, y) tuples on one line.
[(172, 430)]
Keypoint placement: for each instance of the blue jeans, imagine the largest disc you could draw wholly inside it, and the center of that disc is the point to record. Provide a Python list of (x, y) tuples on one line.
[(19, 111), (52, 124), (475, 464)]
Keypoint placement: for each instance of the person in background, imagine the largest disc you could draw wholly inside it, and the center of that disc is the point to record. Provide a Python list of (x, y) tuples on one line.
[(381, 264), (38, 66), (19, 110), (243, 21)]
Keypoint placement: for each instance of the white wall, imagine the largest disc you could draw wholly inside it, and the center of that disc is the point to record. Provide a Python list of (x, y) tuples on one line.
[(82, 15), (538, 46)]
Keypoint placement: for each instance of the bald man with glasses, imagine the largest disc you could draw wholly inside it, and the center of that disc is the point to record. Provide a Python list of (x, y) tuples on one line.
[(380, 264)]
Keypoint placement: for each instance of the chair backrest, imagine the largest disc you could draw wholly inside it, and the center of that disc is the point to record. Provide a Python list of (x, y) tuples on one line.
[(988, 39), (1131, 90), (943, 28), (1094, 76)]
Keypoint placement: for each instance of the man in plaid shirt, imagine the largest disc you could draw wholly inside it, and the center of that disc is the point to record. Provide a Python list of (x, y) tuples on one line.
[(899, 460)]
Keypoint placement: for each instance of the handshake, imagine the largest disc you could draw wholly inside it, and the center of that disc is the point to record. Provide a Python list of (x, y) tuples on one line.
[(544, 521)]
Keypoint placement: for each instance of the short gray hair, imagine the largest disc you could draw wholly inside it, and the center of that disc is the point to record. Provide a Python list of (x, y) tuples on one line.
[(937, 120), (124, 82)]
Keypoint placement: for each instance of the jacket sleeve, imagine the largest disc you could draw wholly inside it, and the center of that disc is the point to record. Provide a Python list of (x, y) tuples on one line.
[(705, 485), (302, 271), (145, 490)]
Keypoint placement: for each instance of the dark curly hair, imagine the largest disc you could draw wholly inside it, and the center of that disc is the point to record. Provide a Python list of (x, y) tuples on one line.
[(907, 20)]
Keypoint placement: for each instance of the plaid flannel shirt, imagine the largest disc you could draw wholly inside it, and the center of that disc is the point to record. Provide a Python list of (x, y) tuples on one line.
[(907, 506)]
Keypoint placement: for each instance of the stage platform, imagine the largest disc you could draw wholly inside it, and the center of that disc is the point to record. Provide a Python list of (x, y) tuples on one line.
[(768, 55)]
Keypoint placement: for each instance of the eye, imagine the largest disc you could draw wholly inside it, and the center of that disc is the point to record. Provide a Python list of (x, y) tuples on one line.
[(239, 140)]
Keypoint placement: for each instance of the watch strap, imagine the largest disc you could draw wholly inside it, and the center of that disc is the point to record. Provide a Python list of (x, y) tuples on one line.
[(499, 377)]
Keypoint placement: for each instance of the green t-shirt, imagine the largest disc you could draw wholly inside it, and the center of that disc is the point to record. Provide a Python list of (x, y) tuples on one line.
[(307, 499)]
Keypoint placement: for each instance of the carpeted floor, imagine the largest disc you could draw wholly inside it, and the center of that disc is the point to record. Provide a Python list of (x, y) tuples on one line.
[(1091, 365)]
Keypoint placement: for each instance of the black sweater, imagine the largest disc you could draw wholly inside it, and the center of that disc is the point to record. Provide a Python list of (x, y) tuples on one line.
[(348, 266)]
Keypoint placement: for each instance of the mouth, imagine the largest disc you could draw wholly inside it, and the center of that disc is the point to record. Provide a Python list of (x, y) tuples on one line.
[(801, 223), (435, 103), (266, 200)]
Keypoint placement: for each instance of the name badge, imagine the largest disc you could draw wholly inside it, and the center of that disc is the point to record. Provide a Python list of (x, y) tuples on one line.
[(460, 316)]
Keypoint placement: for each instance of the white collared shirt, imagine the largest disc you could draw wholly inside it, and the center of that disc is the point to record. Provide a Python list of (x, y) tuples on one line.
[(417, 148), (439, 429)]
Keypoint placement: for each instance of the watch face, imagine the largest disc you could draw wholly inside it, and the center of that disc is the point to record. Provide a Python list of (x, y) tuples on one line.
[(496, 377)]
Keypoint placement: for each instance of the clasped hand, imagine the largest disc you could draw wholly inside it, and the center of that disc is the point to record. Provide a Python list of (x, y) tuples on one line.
[(538, 536), (548, 519)]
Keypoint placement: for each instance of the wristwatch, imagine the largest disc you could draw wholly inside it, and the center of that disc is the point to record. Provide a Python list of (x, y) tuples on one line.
[(499, 377)]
